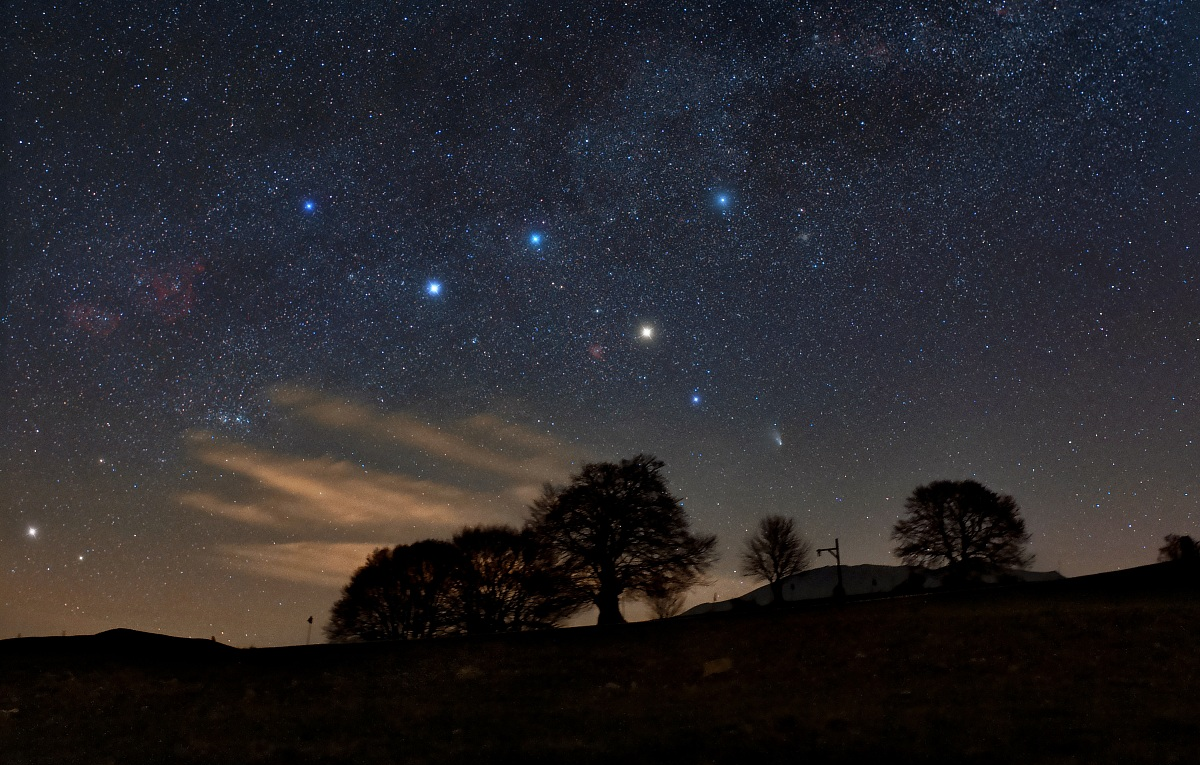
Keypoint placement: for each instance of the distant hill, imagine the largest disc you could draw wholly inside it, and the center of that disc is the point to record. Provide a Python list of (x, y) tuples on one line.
[(866, 579), (114, 644)]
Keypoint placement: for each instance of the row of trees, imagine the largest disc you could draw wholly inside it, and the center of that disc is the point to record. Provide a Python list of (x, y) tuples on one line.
[(487, 579), (615, 532), (959, 526)]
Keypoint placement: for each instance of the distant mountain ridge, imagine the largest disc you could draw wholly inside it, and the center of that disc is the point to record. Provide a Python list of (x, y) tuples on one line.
[(864, 579)]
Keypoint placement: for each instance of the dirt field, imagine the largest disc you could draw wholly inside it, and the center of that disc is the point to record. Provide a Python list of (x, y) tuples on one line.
[(1095, 670)]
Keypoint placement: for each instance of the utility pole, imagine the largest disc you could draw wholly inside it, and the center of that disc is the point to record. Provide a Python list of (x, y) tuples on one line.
[(308, 639), (839, 591)]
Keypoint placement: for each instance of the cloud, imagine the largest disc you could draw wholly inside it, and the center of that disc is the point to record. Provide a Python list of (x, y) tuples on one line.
[(242, 512), (324, 564), (330, 511), (482, 442), (292, 492)]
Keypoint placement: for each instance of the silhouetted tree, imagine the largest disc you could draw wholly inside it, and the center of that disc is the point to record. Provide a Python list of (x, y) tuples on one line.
[(401, 593), (964, 526), (776, 551), (1179, 548), (615, 529), (509, 582), (664, 605)]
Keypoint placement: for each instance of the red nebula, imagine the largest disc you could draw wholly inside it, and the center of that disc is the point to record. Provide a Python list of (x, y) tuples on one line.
[(596, 351), (171, 294)]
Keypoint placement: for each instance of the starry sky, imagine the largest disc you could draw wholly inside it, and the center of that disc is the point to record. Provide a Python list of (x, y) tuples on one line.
[(286, 282)]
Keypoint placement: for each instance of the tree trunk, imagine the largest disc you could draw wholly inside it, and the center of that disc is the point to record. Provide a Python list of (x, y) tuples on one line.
[(777, 593), (608, 600)]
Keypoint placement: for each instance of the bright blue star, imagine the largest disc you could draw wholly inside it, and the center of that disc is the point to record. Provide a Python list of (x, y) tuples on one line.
[(535, 239), (310, 206), (696, 397), (723, 201), (434, 288)]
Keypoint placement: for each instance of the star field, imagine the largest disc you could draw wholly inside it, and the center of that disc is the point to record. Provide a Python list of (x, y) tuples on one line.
[(286, 284)]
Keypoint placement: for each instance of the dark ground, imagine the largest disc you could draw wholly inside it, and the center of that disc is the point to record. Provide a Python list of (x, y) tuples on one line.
[(1093, 670)]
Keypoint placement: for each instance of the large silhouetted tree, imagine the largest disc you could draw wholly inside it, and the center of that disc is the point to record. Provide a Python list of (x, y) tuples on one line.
[(401, 593), (963, 526), (1179, 548), (616, 530), (776, 551), (510, 583)]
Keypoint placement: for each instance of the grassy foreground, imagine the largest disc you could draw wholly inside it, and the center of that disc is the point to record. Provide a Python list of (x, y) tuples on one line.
[(1071, 672)]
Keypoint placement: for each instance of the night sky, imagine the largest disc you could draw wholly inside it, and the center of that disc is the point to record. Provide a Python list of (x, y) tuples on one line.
[(286, 282)]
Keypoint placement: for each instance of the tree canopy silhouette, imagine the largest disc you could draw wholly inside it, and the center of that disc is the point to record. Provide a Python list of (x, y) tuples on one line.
[(1179, 548), (489, 579), (964, 526), (509, 582), (776, 551), (399, 594), (615, 529)]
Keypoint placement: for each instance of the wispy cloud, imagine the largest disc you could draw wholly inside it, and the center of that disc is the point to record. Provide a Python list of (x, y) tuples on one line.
[(243, 512), (293, 492), (488, 472), (330, 564), (482, 442), (324, 564)]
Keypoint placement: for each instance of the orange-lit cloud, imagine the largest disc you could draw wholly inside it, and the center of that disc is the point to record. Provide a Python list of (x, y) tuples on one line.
[(324, 564), (296, 492), (482, 442), (488, 471), (244, 512)]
